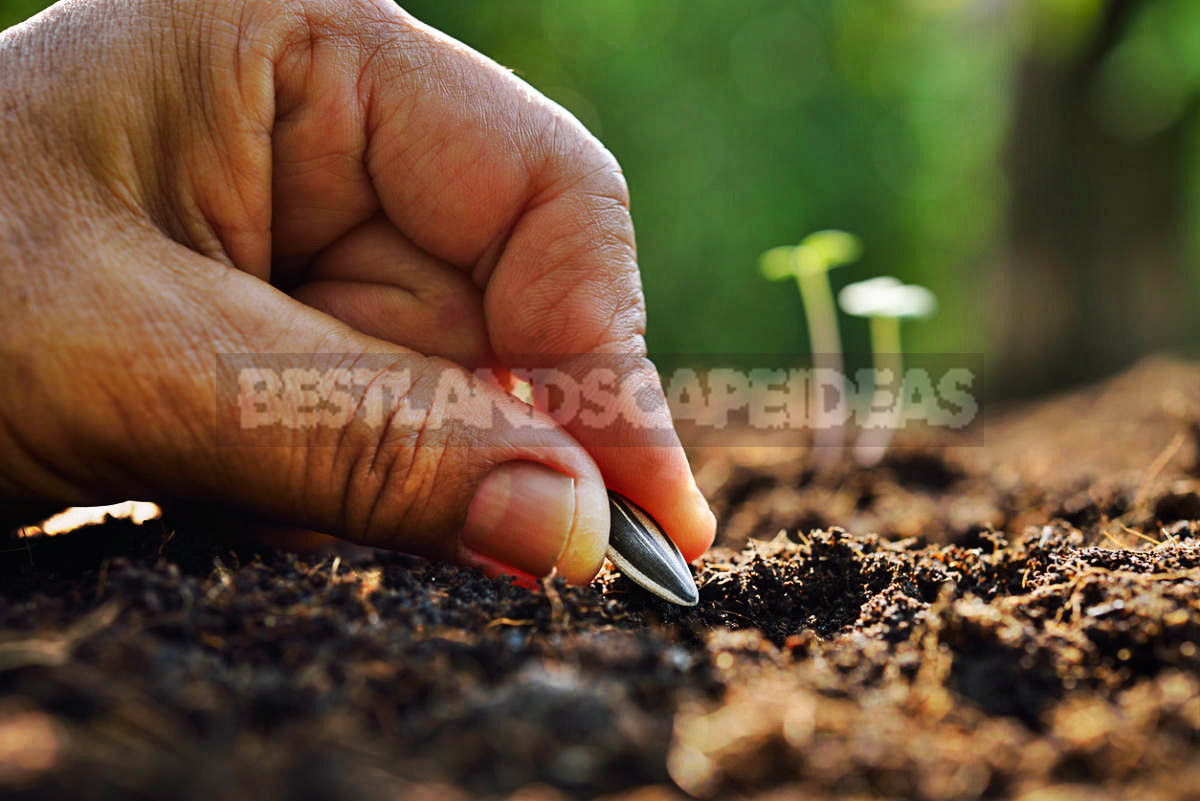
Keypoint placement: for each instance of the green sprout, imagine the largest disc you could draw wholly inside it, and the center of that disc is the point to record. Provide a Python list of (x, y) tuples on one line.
[(809, 263), (885, 301)]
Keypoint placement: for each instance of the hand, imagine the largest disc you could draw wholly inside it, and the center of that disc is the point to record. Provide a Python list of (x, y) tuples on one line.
[(185, 179)]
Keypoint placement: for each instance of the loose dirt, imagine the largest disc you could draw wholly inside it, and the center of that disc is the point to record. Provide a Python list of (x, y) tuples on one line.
[(1014, 613)]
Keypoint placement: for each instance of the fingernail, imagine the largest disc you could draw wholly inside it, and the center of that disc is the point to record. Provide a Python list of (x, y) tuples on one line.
[(584, 554), (522, 516)]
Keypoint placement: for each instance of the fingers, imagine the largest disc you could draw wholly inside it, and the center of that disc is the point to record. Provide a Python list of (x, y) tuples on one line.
[(552, 241), (364, 444), (310, 118), (379, 283), (639, 452)]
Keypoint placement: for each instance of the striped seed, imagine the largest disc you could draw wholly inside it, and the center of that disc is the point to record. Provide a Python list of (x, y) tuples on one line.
[(642, 551)]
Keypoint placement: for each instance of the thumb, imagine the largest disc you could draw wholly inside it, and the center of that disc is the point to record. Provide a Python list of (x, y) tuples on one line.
[(314, 424)]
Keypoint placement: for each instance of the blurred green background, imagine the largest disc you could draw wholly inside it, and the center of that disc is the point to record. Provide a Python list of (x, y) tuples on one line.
[(1034, 162)]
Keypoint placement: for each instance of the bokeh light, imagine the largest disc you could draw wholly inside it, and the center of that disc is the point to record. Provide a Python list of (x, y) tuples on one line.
[(1001, 153)]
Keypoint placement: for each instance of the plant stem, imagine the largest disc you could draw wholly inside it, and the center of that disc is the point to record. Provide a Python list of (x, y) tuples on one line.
[(873, 439), (885, 338), (823, 337)]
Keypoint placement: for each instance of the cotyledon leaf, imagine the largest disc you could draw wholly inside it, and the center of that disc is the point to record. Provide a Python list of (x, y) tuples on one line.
[(642, 551)]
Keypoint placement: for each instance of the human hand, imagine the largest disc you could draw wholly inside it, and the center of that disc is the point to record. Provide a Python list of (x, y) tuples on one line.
[(185, 179)]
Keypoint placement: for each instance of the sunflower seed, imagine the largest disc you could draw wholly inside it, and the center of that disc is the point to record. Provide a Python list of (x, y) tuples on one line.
[(641, 550)]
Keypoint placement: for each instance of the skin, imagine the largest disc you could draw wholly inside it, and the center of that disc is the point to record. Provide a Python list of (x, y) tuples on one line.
[(181, 179)]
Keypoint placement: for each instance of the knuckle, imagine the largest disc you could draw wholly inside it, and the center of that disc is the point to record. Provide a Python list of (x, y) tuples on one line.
[(572, 156), (608, 180), (395, 471), (579, 310), (588, 290)]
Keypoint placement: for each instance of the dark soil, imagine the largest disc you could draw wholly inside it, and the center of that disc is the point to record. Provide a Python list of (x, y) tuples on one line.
[(1017, 617)]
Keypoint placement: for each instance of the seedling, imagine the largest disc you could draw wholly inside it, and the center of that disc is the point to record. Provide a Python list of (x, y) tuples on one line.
[(885, 302), (809, 263), (641, 550)]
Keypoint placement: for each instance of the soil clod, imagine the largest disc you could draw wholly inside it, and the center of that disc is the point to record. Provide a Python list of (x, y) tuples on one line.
[(1020, 619)]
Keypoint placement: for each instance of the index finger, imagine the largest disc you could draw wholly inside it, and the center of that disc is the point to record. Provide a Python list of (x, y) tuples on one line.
[(481, 171)]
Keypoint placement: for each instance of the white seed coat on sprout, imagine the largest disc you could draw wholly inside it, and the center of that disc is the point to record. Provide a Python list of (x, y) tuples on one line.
[(886, 297)]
